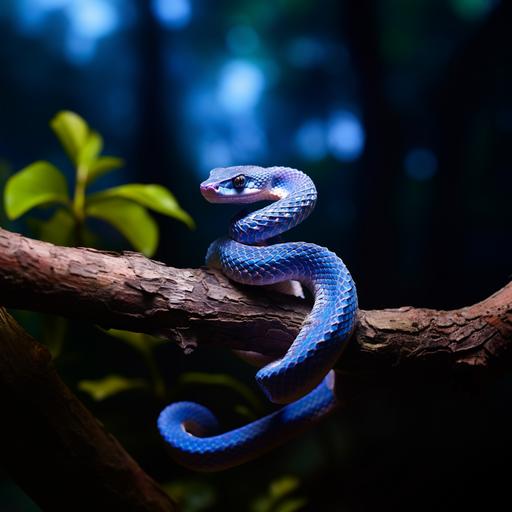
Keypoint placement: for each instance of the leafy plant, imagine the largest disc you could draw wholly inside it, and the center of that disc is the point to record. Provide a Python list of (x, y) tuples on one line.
[(42, 184), (278, 499), (109, 386), (124, 207)]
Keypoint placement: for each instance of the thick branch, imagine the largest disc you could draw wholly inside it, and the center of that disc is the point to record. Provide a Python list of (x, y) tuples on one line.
[(196, 306), (51, 444)]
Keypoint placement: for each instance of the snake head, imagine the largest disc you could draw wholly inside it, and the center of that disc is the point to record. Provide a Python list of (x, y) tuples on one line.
[(239, 184)]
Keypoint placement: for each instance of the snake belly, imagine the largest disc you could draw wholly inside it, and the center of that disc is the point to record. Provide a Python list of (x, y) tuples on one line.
[(302, 379)]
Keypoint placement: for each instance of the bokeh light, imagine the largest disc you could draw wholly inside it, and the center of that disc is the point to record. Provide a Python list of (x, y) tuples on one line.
[(173, 14), (345, 136), (92, 19), (311, 140), (50, 4), (240, 86), (72, 27)]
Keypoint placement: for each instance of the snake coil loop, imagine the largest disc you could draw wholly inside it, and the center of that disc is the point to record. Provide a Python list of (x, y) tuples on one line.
[(302, 379)]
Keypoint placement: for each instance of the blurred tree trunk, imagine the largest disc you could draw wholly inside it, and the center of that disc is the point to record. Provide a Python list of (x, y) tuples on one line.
[(159, 155), (152, 134), (468, 87), (377, 242), (53, 447)]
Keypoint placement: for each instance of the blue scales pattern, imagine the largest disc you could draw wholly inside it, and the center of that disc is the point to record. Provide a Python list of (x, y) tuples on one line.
[(192, 430), (302, 378), (278, 217), (319, 343)]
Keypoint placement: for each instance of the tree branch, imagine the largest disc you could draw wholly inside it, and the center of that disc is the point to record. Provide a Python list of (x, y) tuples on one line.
[(52, 445), (200, 306)]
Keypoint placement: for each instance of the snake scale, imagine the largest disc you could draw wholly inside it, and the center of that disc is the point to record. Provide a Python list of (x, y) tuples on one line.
[(303, 378)]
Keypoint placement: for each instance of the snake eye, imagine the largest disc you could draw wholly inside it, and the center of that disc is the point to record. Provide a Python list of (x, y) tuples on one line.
[(239, 181)]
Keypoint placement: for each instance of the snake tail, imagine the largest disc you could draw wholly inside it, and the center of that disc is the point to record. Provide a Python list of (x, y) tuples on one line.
[(192, 431)]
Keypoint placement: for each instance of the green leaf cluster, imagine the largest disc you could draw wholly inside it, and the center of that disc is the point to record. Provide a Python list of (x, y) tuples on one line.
[(278, 498), (124, 207), (109, 386)]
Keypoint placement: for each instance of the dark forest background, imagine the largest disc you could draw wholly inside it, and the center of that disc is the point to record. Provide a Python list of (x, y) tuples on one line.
[(401, 112)]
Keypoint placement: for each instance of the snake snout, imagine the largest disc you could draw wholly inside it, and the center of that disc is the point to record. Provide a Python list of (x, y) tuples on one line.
[(209, 191)]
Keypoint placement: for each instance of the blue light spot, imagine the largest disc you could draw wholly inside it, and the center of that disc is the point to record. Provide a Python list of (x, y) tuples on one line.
[(214, 153), (346, 136), (310, 140), (420, 164), (174, 14), (242, 39), (80, 50), (89, 21), (49, 5), (240, 87), (29, 16), (92, 19)]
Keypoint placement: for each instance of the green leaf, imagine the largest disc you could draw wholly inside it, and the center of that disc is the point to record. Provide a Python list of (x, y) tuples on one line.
[(72, 132), (155, 197), (291, 505), (283, 486), (103, 165), (109, 386), (141, 342), (58, 229), (277, 498), (131, 220), (38, 184), (91, 149)]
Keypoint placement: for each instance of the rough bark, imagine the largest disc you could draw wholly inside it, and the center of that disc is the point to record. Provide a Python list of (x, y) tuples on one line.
[(199, 306), (52, 445)]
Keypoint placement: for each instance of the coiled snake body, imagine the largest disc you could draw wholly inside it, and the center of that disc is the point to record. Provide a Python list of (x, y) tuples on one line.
[(303, 378)]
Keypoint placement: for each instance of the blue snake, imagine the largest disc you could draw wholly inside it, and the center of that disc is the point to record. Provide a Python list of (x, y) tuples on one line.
[(303, 378)]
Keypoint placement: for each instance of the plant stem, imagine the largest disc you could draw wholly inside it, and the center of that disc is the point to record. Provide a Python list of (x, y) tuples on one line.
[(79, 202)]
